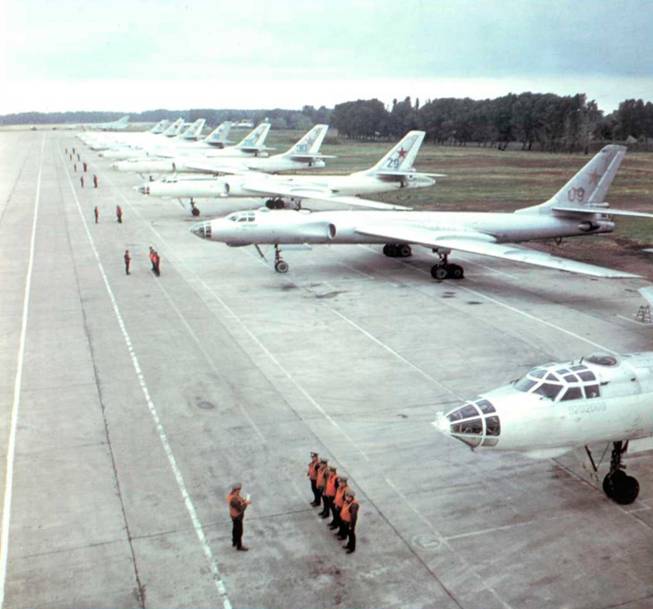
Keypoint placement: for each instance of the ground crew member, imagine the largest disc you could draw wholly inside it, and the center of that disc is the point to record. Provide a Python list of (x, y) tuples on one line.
[(79, 159), (237, 506), (128, 260), (312, 476), (319, 478), (81, 181), (338, 502), (329, 491), (74, 166), (96, 211), (157, 262), (119, 214), (84, 166), (73, 151), (94, 181), (349, 514)]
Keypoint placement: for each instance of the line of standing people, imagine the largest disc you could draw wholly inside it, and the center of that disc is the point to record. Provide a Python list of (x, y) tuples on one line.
[(332, 491)]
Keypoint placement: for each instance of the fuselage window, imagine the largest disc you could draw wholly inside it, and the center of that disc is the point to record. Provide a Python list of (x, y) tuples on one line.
[(587, 375), (571, 378), (577, 368), (492, 426), (485, 406), (474, 426), (562, 371), (538, 373), (469, 411), (551, 377), (592, 391), (548, 390), (525, 384), (573, 393)]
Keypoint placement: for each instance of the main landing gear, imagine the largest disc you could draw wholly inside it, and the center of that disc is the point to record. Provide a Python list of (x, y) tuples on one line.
[(444, 269), (275, 204), (618, 485), (280, 265), (397, 250)]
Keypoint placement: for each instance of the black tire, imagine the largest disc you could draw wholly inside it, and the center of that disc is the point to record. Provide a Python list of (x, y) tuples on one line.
[(455, 271), (404, 250), (386, 251), (195, 211), (439, 272), (281, 266), (390, 250)]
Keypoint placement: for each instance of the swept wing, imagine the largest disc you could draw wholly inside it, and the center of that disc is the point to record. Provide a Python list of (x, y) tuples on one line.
[(474, 242)]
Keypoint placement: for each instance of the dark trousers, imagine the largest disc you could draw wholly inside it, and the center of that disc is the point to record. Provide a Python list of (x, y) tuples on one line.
[(344, 529), (316, 496), (237, 532), (127, 268), (325, 502), (335, 512), (351, 542)]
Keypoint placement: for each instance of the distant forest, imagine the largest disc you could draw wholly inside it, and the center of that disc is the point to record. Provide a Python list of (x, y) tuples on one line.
[(541, 121)]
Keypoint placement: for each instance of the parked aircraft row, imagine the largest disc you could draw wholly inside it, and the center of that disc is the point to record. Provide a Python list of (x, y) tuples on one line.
[(554, 407)]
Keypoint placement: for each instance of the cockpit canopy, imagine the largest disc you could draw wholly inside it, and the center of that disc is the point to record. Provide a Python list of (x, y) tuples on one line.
[(242, 216), (560, 382), (475, 423)]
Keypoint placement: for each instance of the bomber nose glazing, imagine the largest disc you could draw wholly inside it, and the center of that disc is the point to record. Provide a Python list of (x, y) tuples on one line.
[(201, 230), (474, 423)]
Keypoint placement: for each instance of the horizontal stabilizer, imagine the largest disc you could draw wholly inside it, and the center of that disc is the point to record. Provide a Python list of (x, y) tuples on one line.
[(478, 243), (608, 211)]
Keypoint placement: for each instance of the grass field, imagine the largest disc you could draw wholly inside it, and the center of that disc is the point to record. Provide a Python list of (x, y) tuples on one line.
[(486, 179)]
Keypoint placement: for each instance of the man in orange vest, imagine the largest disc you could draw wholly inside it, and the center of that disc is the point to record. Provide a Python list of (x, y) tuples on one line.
[(329, 491), (320, 481), (128, 260), (341, 489), (119, 214), (237, 506), (312, 476), (349, 516)]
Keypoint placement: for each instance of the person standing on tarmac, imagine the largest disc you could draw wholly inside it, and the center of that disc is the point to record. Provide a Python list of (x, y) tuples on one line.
[(329, 491), (81, 181), (237, 506), (96, 213), (157, 262), (85, 166), (128, 260), (338, 502), (95, 181), (312, 476), (152, 258), (349, 514), (319, 479), (119, 214)]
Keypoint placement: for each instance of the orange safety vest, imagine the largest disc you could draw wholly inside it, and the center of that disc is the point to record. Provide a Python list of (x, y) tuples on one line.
[(331, 485), (345, 516), (233, 512), (312, 469), (340, 495), (320, 476)]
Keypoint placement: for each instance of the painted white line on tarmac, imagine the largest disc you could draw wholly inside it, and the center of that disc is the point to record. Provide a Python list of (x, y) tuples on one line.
[(188, 502), (18, 381)]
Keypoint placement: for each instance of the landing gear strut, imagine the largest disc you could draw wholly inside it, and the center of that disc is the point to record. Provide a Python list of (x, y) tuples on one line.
[(280, 265), (194, 210), (618, 485), (397, 250), (444, 269), (274, 204)]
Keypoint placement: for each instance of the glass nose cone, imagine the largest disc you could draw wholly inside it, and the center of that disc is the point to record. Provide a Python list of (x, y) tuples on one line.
[(474, 423), (201, 230)]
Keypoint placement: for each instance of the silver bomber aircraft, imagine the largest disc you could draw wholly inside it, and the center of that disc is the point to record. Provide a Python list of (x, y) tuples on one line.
[(579, 208), (394, 171), (304, 154), (557, 407)]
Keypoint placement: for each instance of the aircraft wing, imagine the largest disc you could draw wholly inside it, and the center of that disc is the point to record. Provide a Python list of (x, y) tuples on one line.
[(316, 193), (479, 243), (608, 211), (206, 166)]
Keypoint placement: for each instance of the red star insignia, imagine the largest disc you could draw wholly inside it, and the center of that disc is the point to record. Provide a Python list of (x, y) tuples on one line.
[(594, 178), (402, 153)]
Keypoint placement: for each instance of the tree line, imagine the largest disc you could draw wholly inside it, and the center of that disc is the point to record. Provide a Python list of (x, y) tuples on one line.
[(541, 120)]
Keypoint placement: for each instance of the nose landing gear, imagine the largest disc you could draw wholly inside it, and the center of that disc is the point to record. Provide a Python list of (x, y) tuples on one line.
[(280, 265), (617, 485), (194, 210)]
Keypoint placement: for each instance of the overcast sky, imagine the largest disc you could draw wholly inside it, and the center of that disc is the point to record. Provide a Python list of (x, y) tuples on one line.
[(132, 55)]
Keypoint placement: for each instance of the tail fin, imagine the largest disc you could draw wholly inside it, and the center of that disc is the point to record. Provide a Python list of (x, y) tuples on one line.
[(253, 141), (174, 129), (124, 120), (194, 131), (402, 156), (590, 185), (218, 137), (309, 145), (160, 127)]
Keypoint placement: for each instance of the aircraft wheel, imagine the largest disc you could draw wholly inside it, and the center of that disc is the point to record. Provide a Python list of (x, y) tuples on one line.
[(404, 250), (621, 488), (439, 272), (195, 211), (455, 271), (390, 250), (281, 266)]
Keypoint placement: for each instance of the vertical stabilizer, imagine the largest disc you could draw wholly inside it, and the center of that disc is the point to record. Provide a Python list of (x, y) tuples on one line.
[(309, 145), (590, 185), (218, 137), (194, 131), (174, 129), (254, 139), (160, 127), (401, 157)]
